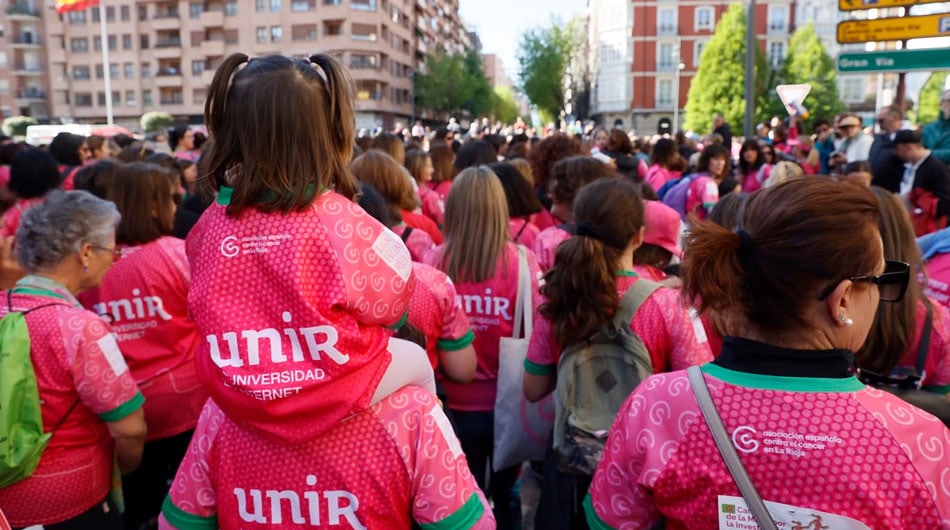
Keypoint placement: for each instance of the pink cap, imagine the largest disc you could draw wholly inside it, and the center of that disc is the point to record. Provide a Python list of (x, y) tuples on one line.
[(663, 227)]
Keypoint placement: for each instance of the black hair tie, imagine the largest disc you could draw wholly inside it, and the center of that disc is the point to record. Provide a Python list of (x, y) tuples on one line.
[(586, 230), (746, 245)]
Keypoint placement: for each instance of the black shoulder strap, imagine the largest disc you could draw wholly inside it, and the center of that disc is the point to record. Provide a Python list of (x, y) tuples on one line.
[(521, 231), (924, 339), (405, 234)]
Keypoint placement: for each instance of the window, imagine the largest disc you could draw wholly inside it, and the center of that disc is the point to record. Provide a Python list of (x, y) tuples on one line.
[(275, 6), (363, 60), (99, 73), (197, 67), (610, 89), (260, 5), (113, 42), (80, 72), (198, 96), (129, 98), (363, 5), (853, 90), (261, 34), (110, 14), (276, 33), (83, 99), (125, 13), (146, 70), (776, 53), (704, 18), (195, 9), (143, 41), (143, 13), (664, 94), (147, 98), (114, 70), (303, 32), (101, 99), (129, 70), (364, 32), (4, 86), (116, 98), (3, 59), (79, 17), (95, 15), (79, 44), (666, 21), (126, 42), (230, 9), (665, 57), (301, 5), (778, 19)]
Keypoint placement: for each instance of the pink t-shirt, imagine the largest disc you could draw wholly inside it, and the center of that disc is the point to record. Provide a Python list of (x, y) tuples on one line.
[(11, 218), (419, 242), (422, 222), (441, 189), (649, 272), (937, 365), (835, 452), (521, 231), (385, 467), (77, 363), (291, 309), (436, 311), (145, 298), (658, 175), (937, 286), (543, 219), (753, 180), (662, 322), (490, 306), (432, 205), (545, 246), (702, 195)]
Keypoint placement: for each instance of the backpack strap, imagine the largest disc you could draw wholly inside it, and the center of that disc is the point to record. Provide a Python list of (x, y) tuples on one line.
[(405, 234), (924, 347), (631, 301), (521, 231)]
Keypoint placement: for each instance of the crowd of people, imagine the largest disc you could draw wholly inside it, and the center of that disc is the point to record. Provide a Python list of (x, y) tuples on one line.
[(301, 326)]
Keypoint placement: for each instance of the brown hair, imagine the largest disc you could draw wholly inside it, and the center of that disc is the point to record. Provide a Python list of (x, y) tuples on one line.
[(581, 287), (547, 152), (416, 164), (571, 174), (895, 323), (476, 226), (442, 158), (391, 180), (524, 167), (619, 142), (142, 192), (800, 236), (391, 145), (283, 132)]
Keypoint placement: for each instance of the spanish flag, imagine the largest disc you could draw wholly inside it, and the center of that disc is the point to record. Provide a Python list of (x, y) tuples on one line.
[(63, 6)]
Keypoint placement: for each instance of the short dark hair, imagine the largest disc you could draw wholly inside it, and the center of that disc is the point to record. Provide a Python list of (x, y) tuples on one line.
[(522, 200), (175, 134), (906, 136), (33, 172), (65, 148), (143, 194), (475, 153), (97, 178)]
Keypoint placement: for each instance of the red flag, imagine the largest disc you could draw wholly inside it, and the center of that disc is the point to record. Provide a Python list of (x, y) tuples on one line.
[(63, 6)]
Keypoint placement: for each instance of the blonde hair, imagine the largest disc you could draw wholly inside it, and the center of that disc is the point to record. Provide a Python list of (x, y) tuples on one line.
[(476, 226), (524, 167)]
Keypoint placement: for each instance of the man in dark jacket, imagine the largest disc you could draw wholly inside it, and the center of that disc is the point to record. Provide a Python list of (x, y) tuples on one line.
[(922, 169), (886, 168), (721, 128)]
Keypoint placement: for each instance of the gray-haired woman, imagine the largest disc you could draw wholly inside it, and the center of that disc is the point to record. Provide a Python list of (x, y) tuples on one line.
[(89, 401)]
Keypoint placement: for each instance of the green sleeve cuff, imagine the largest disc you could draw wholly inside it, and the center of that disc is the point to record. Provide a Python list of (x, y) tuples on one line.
[(185, 521), (464, 517), (538, 369), (943, 389), (593, 521), (124, 409), (401, 323), (457, 344)]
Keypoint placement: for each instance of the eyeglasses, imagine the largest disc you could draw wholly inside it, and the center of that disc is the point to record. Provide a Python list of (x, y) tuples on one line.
[(845, 127), (892, 283), (116, 253)]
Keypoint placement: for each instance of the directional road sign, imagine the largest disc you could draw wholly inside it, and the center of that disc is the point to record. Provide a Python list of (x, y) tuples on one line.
[(853, 5), (894, 61), (897, 28)]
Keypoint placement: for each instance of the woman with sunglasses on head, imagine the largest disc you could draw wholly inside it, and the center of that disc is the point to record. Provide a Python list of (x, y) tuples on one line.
[(798, 284), (145, 298)]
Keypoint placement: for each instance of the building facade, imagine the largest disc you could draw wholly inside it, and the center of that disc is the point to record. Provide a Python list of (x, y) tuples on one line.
[(644, 53), (23, 72), (163, 54)]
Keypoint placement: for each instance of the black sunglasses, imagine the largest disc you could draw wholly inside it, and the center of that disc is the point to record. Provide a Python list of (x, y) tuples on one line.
[(892, 283)]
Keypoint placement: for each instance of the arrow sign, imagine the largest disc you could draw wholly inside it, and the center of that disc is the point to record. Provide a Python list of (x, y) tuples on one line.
[(792, 94), (854, 5)]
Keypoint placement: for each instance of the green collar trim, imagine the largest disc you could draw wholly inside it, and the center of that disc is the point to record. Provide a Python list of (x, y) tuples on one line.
[(43, 286), (628, 274), (788, 384), (224, 195)]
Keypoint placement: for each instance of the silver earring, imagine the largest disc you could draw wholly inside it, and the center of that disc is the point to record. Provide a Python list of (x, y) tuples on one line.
[(85, 269), (845, 320)]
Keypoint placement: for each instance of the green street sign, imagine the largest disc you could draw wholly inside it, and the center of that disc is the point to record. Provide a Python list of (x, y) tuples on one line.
[(893, 61)]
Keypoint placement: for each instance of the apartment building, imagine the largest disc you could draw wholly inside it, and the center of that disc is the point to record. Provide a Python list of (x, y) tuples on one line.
[(23, 77), (643, 54), (163, 53)]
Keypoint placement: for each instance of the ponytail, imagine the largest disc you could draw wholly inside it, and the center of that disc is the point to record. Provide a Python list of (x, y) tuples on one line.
[(342, 118), (712, 268), (215, 111)]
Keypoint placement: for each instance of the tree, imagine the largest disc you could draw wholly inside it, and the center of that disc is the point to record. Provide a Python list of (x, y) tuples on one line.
[(156, 120), (719, 85), (544, 55), (504, 107), (454, 84), (808, 62), (928, 108), (16, 125)]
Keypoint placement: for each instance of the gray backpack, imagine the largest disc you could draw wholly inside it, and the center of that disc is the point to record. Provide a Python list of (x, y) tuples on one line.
[(594, 378)]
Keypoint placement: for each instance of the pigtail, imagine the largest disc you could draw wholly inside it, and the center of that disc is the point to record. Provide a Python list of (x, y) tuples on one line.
[(213, 167), (713, 266), (342, 117)]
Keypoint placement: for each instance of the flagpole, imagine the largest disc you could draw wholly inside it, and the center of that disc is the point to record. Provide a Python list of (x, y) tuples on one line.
[(106, 70)]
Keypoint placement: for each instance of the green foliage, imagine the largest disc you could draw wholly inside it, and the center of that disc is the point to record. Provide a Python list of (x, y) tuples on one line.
[(156, 120), (543, 58), (504, 106), (16, 125), (808, 62), (719, 85), (454, 84), (928, 107)]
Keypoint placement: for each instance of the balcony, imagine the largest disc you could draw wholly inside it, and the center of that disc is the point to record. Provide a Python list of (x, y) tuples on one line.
[(166, 20), (167, 49), (777, 27), (21, 70), (23, 11), (168, 78), (213, 48), (212, 18), (666, 30), (30, 95)]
